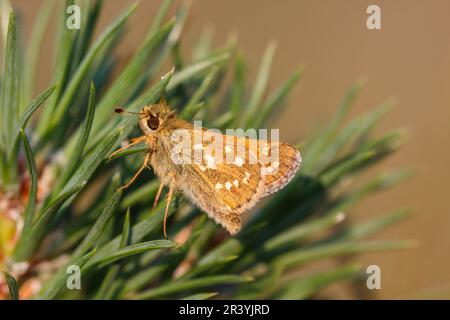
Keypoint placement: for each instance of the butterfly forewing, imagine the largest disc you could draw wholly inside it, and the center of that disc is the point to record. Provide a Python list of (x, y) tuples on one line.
[(281, 169)]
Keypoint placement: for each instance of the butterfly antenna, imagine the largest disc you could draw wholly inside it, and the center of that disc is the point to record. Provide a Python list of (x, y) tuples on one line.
[(122, 110)]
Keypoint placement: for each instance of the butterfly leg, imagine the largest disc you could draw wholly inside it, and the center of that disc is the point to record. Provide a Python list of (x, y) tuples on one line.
[(147, 157), (169, 197), (134, 142), (158, 194)]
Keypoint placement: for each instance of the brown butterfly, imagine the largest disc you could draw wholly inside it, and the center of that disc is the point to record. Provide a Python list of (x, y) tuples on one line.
[(224, 175)]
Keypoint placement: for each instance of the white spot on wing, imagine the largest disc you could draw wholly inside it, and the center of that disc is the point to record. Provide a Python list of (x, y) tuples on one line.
[(266, 170), (219, 186), (198, 146), (239, 161), (210, 161), (228, 185), (236, 183), (265, 150)]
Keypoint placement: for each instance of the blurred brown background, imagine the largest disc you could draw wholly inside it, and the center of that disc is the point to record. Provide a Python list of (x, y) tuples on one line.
[(408, 59)]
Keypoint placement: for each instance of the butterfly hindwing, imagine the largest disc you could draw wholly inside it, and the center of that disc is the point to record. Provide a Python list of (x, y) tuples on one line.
[(225, 193)]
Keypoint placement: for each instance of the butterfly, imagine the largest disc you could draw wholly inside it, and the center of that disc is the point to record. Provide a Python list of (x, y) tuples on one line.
[(224, 175)]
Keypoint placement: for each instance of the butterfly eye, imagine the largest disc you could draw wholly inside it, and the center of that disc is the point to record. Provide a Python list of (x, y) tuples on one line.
[(153, 122)]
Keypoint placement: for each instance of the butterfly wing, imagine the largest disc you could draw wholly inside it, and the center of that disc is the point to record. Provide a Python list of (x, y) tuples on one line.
[(225, 184), (279, 172), (223, 189), (223, 194)]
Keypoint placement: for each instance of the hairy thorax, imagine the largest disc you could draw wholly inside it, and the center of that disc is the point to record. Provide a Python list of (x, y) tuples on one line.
[(161, 160)]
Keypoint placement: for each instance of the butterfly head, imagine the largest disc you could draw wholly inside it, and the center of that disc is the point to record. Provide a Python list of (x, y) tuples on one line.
[(154, 117)]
